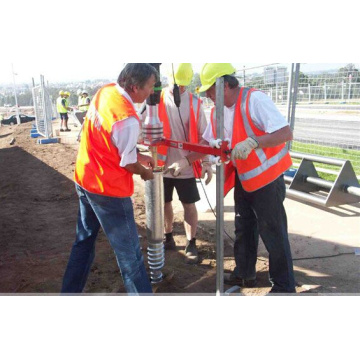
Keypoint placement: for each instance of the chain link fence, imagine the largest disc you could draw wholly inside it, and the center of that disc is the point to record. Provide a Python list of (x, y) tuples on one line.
[(327, 117), (43, 110)]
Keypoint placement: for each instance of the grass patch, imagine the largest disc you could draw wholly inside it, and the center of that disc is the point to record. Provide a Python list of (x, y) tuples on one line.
[(333, 152)]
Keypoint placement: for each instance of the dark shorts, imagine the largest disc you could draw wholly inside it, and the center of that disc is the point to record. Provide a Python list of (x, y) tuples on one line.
[(185, 188), (64, 116)]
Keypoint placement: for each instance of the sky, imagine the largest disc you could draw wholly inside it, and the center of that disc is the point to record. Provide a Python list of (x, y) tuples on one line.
[(63, 46)]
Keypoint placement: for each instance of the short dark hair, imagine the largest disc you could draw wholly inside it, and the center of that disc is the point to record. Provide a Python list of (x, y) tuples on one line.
[(231, 80), (136, 74)]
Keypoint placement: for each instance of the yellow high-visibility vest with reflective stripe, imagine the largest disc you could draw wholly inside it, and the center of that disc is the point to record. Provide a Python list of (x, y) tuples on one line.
[(60, 108)]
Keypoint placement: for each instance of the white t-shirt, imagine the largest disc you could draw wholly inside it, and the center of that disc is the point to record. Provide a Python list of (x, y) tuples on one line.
[(124, 135), (178, 131), (265, 115)]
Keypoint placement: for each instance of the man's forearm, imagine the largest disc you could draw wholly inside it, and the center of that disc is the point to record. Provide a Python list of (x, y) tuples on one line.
[(135, 168), (276, 138)]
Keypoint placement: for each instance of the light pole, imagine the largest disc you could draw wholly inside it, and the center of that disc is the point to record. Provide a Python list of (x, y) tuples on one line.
[(16, 102)]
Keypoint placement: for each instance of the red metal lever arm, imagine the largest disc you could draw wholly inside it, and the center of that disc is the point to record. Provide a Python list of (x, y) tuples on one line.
[(223, 152)]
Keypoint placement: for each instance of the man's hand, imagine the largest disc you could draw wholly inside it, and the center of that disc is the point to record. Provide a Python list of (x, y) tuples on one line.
[(146, 160), (147, 174), (178, 166), (242, 150), (206, 169)]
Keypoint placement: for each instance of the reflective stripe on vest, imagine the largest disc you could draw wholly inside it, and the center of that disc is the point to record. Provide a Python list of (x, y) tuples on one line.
[(97, 166), (262, 165), (59, 106), (193, 133)]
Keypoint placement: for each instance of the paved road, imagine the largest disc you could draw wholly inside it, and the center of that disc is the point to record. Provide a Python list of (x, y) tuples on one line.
[(339, 133), (330, 127)]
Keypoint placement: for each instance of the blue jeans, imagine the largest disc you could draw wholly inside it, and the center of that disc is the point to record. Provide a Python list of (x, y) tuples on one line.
[(262, 212), (116, 217)]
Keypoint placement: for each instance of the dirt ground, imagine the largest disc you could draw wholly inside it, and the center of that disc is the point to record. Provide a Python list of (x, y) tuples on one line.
[(38, 218)]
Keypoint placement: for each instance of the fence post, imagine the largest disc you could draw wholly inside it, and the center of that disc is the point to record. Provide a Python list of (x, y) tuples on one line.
[(309, 87), (325, 94), (294, 98), (289, 97), (342, 90), (349, 87)]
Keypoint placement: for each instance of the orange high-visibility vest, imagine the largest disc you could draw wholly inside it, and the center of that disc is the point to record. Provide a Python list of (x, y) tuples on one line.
[(262, 166), (193, 133), (97, 167)]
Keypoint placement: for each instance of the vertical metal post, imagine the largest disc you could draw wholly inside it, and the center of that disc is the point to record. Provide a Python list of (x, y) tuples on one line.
[(294, 92), (42, 87), (294, 97), (289, 98), (325, 93), (220, 179), (16, 101), (350, 87), (342, 90), (309, 92)]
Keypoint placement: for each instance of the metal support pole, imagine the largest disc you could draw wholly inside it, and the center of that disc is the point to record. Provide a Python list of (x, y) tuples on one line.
[(289, 98), (16, 101), (220, 179), (294, 98), (42, 86)]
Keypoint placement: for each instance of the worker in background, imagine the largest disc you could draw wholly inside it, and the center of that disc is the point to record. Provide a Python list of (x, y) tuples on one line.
[(83, 106), (259, 158), (105, 165), (85, 101), (181, 166), (62, 105)]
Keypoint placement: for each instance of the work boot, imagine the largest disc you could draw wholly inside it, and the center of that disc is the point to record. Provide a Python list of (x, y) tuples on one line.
[(191, 252), (169, 242), (232, 279)]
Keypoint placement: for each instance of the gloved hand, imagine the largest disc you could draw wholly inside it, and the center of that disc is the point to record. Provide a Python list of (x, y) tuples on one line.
[(178, 166), (206, 169), (242, 150)]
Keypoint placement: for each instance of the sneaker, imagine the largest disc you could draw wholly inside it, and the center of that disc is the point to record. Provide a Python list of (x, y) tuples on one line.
[(232, 279), (169, 244), (191, 252)]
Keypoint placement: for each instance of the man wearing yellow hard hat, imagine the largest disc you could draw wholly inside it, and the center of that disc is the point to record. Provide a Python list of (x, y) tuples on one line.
[(62, 105), (186, 123), (258, 134)]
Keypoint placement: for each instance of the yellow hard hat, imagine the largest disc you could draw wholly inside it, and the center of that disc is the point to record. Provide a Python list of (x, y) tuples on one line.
[(67, 93), (61, 92), (211, 71), (183, 73)]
